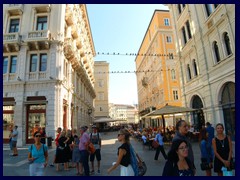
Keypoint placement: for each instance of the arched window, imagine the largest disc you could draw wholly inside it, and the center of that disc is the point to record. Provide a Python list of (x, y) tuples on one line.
[(195, 70), (189, 72), (216, 51), (227, 43)]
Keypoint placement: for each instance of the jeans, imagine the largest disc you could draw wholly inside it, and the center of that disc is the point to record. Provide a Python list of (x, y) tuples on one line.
[(84, 156), (36, 169)]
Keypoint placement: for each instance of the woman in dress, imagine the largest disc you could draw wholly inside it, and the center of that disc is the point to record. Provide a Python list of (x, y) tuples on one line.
[(178, 163), (124, 156), (222, 146)]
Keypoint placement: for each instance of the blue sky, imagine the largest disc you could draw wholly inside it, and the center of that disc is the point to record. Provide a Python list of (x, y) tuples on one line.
[(120, 28)]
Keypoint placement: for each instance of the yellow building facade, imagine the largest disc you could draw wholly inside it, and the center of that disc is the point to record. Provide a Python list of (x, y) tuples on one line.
[(157, 76)]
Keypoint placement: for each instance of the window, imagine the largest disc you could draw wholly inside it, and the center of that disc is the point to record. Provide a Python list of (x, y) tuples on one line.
[(43, 62), (101, 109), (210, 8), (170, 55), (188, 30), (189, 72), (166, 22), (184, 35), (100, 83), (227, 44), (169, 39), (216, 51), (33, 63), (173, 74), (14, 25), (195, 68), (41, 23), (175, 95), (13, 64), (180, 8), (5, 65)]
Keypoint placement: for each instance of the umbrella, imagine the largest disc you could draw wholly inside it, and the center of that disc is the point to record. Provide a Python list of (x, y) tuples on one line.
[(168, 109)]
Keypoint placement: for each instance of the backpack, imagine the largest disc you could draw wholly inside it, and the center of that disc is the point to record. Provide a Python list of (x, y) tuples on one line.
[(134, 162), (97, 139)]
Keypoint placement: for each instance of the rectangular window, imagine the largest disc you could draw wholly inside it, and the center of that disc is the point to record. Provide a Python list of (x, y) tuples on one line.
[(14, 25), (189, 30), (173, 74), (13, 64), (209, 9), (100, 83), (5, 65), (175, 95), (169, 39), (166, 22), (170, 55), (43, 62), (33, 63), (184, 35), (41, 23)]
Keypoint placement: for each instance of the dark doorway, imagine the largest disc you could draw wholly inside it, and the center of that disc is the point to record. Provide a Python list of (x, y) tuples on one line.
[(198, 116)]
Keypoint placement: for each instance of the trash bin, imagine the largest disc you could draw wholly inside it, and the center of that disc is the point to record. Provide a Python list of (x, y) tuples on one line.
[(49, 141)]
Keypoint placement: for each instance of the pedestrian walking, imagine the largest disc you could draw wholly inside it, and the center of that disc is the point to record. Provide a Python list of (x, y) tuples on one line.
[(37, 156), (10, 138), (124, 156), (95, 138), (83, 147), (206, 151), (14, 138), (43, 135), (178, 163), (222, 146), (181, 133), (159, 139)]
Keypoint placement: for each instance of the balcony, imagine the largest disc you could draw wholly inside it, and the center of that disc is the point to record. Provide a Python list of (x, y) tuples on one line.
[(15, 9), (38, 40), (69, 15), (11, 42)]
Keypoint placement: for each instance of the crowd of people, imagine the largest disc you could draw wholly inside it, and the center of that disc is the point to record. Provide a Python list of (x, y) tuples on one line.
[(72, 150)]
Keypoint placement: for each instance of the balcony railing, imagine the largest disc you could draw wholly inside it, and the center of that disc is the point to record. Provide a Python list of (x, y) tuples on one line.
[(39, 35), (11, 37)]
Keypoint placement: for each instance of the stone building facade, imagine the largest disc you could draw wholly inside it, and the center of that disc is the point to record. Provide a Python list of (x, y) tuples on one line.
[(48, 68)]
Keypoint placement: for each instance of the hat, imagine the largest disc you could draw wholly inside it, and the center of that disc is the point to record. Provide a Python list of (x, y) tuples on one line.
[(94, 126)]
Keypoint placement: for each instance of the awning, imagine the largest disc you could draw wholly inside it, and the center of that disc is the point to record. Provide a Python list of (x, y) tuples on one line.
[(106, 119)]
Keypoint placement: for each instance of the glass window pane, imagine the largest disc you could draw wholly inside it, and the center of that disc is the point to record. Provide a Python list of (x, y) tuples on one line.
[(33, 63), (43, 62), (13, 64), (5, 65)]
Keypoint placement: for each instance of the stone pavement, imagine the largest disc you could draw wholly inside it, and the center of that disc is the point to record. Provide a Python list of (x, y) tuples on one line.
[(18, 166)]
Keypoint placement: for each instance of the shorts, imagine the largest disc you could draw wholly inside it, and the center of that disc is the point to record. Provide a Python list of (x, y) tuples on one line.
[(97, 154), (14, 144)]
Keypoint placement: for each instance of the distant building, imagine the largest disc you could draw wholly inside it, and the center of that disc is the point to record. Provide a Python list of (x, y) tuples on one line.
[(101, 88), (126, 114), (48, 78), (205, 47), (157, 75)]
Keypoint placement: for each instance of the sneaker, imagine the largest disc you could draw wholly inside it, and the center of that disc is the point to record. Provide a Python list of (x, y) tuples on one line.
[(51, 165), (92, 172), (98, 171)]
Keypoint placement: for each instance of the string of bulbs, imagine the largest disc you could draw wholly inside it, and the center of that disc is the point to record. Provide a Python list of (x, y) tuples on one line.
[(132, 54), (122, 72)]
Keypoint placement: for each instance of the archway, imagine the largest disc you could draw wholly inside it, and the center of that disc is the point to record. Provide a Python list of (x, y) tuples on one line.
[(228, 107), (198, 116)]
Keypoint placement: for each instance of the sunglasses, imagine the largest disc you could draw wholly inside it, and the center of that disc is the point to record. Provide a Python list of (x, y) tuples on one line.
[(119, 134), (38, 136)]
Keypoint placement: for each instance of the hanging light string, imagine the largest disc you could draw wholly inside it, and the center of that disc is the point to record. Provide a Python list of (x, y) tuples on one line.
[(132, 54), (125, 72)]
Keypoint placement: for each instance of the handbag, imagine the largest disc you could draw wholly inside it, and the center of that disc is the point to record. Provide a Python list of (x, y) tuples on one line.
[(232, 163), (155, 144), (91, 148), (205, 166), (142, 167)]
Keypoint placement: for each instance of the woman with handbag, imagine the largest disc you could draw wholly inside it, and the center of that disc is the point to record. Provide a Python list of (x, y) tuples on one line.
[(206, 153), (124, 156), (222, 146), (159, 139), (178, 163)]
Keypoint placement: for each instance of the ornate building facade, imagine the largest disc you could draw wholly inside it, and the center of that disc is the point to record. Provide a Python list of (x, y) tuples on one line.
[(48, 68), (205, 44)]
